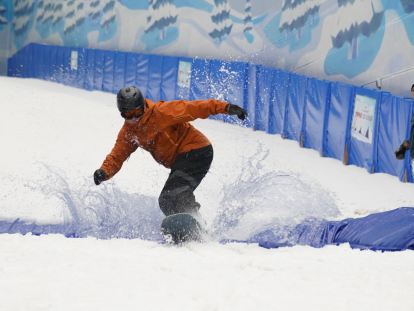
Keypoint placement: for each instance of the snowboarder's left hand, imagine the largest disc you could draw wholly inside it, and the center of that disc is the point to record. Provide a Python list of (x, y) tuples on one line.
[(99, 176), (236, 110), (400, 152)]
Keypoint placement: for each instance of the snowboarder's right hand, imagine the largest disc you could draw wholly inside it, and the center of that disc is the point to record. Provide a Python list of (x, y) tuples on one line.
[(400, 152), (99, 176)]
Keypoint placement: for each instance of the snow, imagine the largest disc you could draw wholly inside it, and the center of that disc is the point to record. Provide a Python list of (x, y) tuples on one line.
[(49, 129)]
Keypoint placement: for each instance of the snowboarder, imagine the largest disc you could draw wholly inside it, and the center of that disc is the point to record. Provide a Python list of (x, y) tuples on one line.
[(163, 129)]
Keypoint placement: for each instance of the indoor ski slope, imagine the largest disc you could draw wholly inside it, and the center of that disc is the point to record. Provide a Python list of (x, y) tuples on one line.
[(54, 137)]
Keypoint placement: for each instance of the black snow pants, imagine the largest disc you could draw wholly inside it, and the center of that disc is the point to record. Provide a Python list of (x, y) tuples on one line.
[(187, 172)]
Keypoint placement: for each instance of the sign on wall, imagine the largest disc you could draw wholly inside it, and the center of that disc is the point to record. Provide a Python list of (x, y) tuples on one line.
[(363, 118), (184, 74), (74, 60)]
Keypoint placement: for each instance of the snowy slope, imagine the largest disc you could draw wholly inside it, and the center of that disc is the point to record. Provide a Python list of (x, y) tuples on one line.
[(53, 138)]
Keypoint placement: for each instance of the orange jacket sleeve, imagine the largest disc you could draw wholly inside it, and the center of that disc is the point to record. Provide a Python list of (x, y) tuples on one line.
[(180, 111), (123, 148)]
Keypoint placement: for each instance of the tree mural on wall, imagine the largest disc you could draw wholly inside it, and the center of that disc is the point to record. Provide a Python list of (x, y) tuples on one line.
[(75, 16), (295, 14), (21, 18), (357, 17), (3, 10), (161, 14), (221, 19), (109, 14), (95, 10), (57, 14), (248, 25), (408, 5)]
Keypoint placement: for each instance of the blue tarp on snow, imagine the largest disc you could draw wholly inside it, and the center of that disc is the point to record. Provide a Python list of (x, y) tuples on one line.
[(386, 231), (394, 127), (316, 108), (337, 129)]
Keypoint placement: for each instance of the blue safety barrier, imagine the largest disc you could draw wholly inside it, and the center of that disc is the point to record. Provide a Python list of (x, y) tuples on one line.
[(219, 76), (296, 107), (337, 128), (90, 69), (155, 77), (142, 73), (108, 71), (130, 69), (119, 71), (182, 87), (264, 79), (99, 70), (200, 79), (316, 112), (250, 99), (394, 127), (362, 146), (169, 78)]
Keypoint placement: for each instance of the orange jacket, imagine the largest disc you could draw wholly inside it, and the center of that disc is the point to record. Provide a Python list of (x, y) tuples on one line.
[(163, 131)]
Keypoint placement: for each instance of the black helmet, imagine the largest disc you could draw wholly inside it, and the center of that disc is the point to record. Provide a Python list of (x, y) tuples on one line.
[(129, 98)]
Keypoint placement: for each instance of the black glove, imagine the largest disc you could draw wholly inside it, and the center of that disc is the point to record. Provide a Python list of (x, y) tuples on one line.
[(99, 176), (234, 109), (400, 152)]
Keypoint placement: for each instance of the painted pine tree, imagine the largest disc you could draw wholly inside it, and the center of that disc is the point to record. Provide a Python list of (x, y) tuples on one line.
[(221, 19), (161, 14), (80, 14), (95, 10), (295, 14), (3, 10), (358, 17), (57, 13), (109, 14), (248, 25), (45, 11), (70, 17), (408, 5), (21, 18)]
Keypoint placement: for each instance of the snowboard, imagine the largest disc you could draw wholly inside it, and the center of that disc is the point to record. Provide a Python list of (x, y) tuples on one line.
[(180, 228)]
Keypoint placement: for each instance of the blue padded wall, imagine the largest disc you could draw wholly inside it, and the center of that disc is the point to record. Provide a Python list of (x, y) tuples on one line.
[(236, 87), (73, 73), (130, 69), (200, 79), (66, 66), (99, 70), (108, 71), (81, 72), (250, 98), (218, 82), (53, 69), (337, 129), (142, 73), (264, 79), (154, 77), (119, 71), (394, 127), (182, 92), (46, 62), (90, 69), (278, 102), (59, 64), (169, 78), (316, 108), (363, 153), (296, 106)]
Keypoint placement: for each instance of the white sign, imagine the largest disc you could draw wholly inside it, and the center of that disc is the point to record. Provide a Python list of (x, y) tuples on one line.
[(363, 119), (184, 74), (74, 60)]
